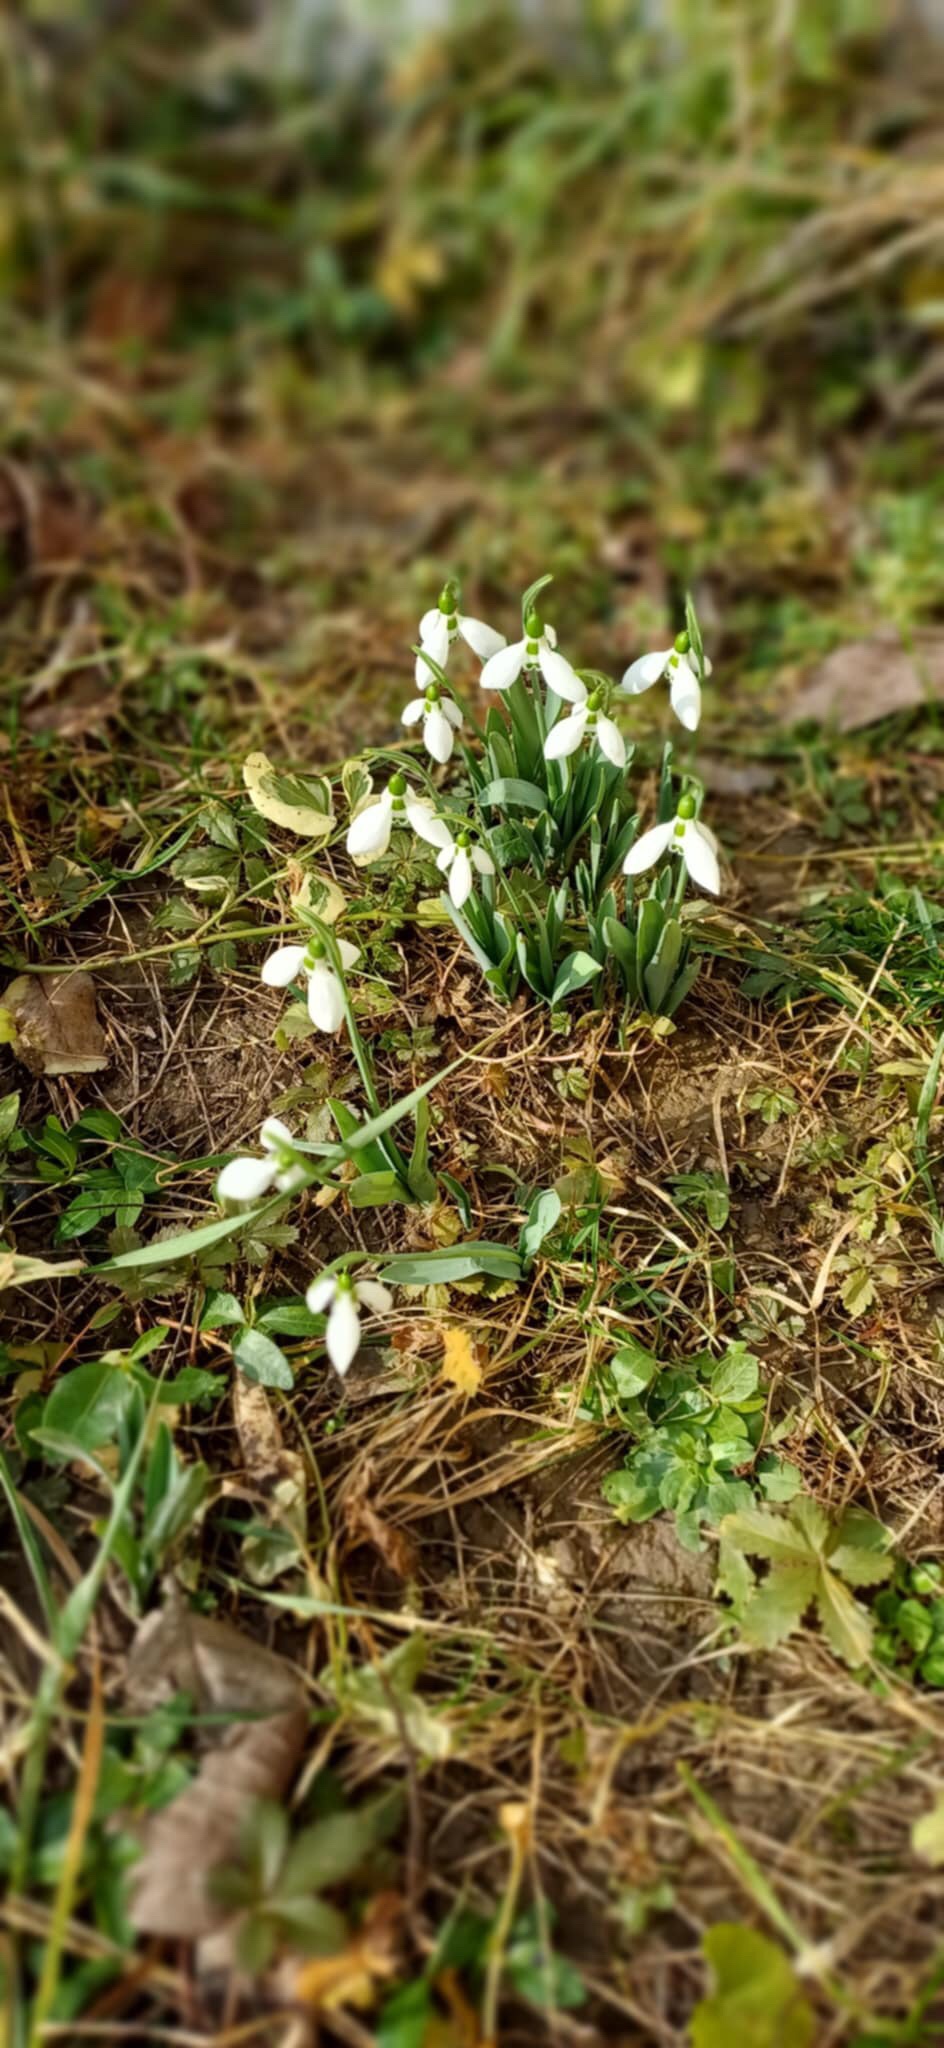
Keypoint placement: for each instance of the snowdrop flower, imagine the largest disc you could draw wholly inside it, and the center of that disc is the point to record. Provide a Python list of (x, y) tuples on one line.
[(325, 994), (244, 1180), (684, 688), (343, 1298), (684, 835), (566, 736), (538, 649), (441, 721), (456, 858), (438, 629), (369, 832)]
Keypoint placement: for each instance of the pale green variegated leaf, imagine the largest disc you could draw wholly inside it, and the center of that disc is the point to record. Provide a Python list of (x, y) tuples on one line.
[(860, 1567), (18, 1270), (299, 803)]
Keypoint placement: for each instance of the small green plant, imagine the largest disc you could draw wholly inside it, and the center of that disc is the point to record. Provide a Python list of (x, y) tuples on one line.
[(812, 1562), (702, 1445), (114, 1178), (275, 1885), (909, 1638)]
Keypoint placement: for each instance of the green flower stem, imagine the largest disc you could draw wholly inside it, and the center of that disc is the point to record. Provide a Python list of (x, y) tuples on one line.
[(388, 1145)]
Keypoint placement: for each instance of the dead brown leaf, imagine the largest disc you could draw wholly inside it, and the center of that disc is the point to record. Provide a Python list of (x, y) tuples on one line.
[(55, 1023), (870, 679), (365, 1525), (275, 1474), (225, 1672)]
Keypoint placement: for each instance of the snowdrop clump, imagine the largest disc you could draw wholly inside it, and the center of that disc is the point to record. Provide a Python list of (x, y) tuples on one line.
[(535, 832)]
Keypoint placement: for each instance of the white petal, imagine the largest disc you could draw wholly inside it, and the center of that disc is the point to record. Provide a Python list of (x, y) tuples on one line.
[(343, 1333), (460, 878), (282, 966), (503, 668), (611, 742), (437, 736), (417, 808), (648, 849), (427, 826), (483, 861), (483, 639), (325, 1000), (427, 623), (321, 1292), (452, 712), (550, 635), (700, 858), (374, 1296), (641, 674), (290, 1179), (414, 711), (244, 1180), (559, 676), (436, 643), (350, 955), (565, 737), (274, 1132), (685, 694), (369, 833), (445, 859)]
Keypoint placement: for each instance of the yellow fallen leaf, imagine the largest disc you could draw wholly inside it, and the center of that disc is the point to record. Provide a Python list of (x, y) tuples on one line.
[(459, 1363), (350, 1978), (299, 803)]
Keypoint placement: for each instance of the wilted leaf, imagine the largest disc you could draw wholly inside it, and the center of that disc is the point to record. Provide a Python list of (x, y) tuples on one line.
[(224, 1672), (365, 1525), (299, 803), (383, 1695), (275, 1474), (459, 1363), (870, 679), (55, 1025), (17, 1270)]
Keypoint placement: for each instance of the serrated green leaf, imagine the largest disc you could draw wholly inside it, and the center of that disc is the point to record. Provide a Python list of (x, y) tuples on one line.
[(778, 1606), (262, 1361), (846, 1625)]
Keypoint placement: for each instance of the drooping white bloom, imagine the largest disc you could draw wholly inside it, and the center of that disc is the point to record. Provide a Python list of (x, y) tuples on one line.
[(684, 688), (343, 1297), (325, 994), (438, 630), (246, 1179), (587, 720), (457, 858), (683, 835), (441, 721), (369, 832), (538, 649)]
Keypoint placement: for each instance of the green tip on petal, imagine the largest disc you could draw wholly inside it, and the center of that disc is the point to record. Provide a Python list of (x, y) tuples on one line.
[(533, 626), (682, 643), (397, 785), (345, 1284), (686, 807)]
